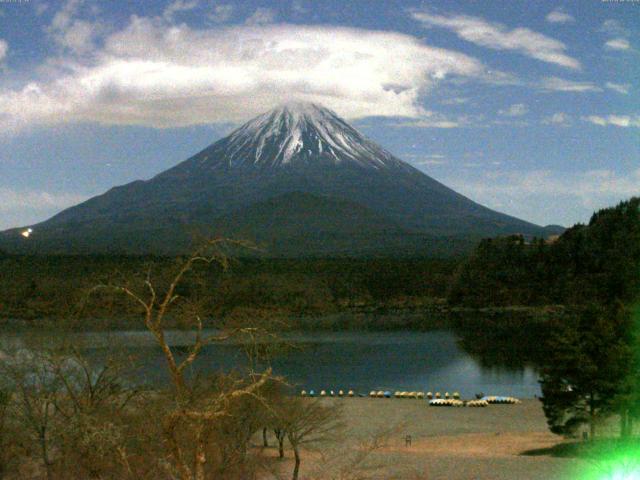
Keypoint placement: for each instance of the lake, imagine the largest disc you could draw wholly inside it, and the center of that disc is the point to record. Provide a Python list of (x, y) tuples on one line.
[(362, 361)]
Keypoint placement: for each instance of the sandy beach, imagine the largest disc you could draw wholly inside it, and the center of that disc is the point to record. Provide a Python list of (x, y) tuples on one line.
[(446, 442)]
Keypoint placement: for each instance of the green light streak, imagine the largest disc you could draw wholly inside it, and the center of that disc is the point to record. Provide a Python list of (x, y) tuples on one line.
[(614, 459), (615, 462)]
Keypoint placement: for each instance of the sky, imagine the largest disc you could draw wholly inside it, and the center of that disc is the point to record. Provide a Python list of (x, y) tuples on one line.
[(531, 108)]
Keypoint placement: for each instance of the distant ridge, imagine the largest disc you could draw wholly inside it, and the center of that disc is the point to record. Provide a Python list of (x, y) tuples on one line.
[(298, 179)]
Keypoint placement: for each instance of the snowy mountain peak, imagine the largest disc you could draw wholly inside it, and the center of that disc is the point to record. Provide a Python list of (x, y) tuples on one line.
[(299, 133)]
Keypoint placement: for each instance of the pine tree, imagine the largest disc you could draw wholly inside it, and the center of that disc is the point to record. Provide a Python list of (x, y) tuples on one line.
[(589, 363), (628, 399)]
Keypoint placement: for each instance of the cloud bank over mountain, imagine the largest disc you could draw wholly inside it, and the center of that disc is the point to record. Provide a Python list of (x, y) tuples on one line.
[(149, 74)]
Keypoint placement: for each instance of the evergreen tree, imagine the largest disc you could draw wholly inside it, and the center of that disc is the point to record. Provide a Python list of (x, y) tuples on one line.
[(588, 365), (628, 398), (598, 263)]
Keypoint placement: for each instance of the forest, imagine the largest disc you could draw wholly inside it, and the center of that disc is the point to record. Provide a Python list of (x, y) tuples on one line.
[(594, 263), (55, 287), (590, 366)]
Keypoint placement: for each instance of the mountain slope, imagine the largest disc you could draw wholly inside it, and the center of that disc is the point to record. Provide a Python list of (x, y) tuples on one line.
[(300, 149), (302, 224)]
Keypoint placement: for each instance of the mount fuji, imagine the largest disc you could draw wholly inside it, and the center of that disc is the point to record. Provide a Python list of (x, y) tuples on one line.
[(297, 180)]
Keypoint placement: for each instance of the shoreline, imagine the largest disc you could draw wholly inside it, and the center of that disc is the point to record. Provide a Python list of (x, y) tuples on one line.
[(375, 318)]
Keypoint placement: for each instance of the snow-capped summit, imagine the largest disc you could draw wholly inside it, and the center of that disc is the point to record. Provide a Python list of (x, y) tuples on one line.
[(298, 180), (299, 132)]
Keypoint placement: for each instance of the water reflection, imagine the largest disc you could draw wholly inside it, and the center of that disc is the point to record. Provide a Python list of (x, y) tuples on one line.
[(425, 361), (502, 344)]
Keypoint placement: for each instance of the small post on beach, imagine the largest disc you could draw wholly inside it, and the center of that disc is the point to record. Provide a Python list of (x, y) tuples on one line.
[(407, 440)]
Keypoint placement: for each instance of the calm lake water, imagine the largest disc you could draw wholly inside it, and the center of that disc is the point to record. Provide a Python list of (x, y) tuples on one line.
[(362, 361)]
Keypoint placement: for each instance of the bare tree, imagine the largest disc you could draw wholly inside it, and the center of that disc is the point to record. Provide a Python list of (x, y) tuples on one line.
[(35, 388), (88, 388), (68, 407), (307, 422), (192, 417), (92, 402)]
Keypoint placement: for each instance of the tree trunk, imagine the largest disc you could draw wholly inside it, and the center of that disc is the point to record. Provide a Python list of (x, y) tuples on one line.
[(265, 441), (592, 420), (624, 423), (201, 456), (45, 452), (280, 434), (296, 467), (184, 471)]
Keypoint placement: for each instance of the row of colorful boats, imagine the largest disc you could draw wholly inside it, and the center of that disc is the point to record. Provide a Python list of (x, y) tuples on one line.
[(479, 402), (435, 399)]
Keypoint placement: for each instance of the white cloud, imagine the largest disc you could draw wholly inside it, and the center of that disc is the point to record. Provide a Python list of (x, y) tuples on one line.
[(26, 207), (178, 6), (72, 33), (618, 44), (498, 37), (614, 120), (221, 13), (535, 195), (4, 48), (558, 118), (428, 123), (79, 36), (511, 123), (619, 87), (562, 85), (431, 159), (64, 17), (614, 28), (515, 110), (148, 74), (559, 16), (455, 101), (261, 16), (499, 78), (11, 199), (430, 119), (618, 35)]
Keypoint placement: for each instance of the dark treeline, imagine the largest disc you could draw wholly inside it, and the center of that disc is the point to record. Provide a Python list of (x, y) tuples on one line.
[(34, 287), (594, 263)]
